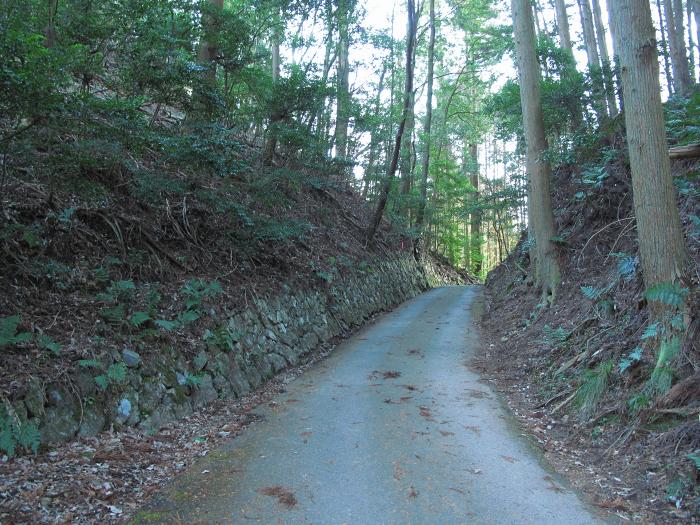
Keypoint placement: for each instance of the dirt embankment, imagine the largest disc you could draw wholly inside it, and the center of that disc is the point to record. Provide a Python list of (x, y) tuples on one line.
[(575, 373)]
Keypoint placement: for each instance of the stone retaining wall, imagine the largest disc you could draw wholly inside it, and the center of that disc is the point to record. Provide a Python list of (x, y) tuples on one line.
[(269, 336)]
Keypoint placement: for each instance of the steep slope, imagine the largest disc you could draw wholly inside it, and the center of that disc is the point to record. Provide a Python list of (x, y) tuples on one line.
[(576, 373)]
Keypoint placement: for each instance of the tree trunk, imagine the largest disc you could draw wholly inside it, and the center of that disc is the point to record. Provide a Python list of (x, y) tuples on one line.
[(547, 273), (425, 165), (275, 117), (695, 6), (664, 48), (50, 29), (475, 217), (594, 69), (342, 118), (679, 58), (691, 44), (661, 243), (209, 46), (604, 58), (386, 187), (563, 25)]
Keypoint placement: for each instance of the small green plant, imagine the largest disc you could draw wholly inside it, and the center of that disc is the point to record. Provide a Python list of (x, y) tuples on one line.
[(9, 334), (591, 389), (221, 338), (15, 433), (114, 374), (633, 357), (554, 337), (594, 176), (196, 290)]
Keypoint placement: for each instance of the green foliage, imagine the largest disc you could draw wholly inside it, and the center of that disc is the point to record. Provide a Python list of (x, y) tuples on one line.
[(662, 376), (591, 389), (196, 290), (594, 176), (669, 294), (15, 433), (9, 334), (683, 119), (633, 357), (115, 374), (554, 337), (222, 338), (49, 344)]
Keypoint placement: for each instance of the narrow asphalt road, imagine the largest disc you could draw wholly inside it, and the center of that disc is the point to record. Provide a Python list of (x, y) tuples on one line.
[(392, 428)]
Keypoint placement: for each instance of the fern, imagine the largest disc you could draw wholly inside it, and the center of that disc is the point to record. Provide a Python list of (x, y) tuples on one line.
[(117, 373), (49, 344), (114, 314), (593, 386), (634, 357), (9, 335), (670, 294), (139, 318), (15, 433), (591, 292), (662, 376), (90, 363), (652, 331)]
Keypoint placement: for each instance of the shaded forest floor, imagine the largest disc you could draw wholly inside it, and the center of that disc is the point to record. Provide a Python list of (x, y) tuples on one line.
[(635, 460)]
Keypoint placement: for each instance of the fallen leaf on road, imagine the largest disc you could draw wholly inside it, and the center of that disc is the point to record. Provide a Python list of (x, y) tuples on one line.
[(284, 496)]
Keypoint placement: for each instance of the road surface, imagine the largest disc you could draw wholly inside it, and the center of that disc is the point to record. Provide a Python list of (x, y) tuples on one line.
[(392, 428)]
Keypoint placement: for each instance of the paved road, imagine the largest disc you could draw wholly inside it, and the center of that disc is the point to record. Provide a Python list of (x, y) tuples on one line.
[(392, 428)]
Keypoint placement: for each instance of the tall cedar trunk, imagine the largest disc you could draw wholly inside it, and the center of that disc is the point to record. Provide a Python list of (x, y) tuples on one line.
[(604, 58), (676, 42), (691, 43), (594, 68), (327, 64), (695, 6), (475, 217), (342, 118), (275, 116), (563, 25), (375, 136), (570, 68), (664, 48), (547, 274), (406, 159), (386, 187), (661, 243), (425, 165), (209, 46), (50, 29)]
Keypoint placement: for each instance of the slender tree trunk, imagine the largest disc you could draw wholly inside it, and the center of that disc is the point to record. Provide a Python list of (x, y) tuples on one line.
[(604, 58), (570, 68), (342, 118), (406, 160), (275, 117), (425, 165), (661, 243), (374, 143), (695, 6), (328, 60), (547, 273), (691, 44), (664, 48), (679, 59), (563, 25), (50, 29), (384, 195), (594, 69), (475, 217), (209, 46)]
